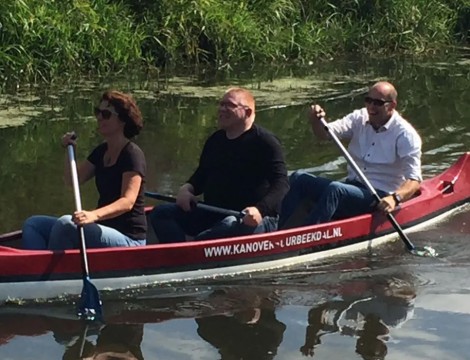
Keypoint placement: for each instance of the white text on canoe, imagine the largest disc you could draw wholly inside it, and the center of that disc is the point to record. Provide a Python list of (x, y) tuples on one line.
[(266, 245)]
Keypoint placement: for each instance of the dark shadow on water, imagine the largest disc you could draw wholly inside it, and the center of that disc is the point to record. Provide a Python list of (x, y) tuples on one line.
[(115, 341), (251, 333), (234, 320), (368, 318)]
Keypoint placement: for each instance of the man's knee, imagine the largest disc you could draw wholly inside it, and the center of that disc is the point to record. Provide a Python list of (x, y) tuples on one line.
[(301, 182), (299, 177), (336, 187)]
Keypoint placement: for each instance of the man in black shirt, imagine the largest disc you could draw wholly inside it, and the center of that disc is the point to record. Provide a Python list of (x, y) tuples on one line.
[(241, 168)]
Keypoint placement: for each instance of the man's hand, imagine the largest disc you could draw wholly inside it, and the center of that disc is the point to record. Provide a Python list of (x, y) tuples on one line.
[(185, 198), (387, 204), (316, 112), (252, 216)]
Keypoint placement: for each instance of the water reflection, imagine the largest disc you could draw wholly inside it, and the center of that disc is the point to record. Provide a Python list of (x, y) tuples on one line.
[(250, 334), (253, 333), (368, 319), (242, 321), (80, 340), (239, 322), (114, 341)]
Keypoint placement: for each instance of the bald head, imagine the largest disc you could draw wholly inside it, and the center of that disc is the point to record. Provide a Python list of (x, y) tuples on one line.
[(236, 112), (386, 90), (243, 96), (381, 102)]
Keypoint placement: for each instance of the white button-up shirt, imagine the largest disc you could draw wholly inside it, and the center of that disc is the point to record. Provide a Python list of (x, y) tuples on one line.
[(387, 156)]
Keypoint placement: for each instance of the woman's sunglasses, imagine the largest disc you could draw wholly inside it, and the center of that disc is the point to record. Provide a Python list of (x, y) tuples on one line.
[(376, 102), (105, 113)]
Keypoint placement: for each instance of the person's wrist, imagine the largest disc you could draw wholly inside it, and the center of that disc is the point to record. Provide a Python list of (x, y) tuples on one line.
[(397, 198)]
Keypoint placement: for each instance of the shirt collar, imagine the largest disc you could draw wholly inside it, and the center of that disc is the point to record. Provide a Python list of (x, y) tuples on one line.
[(387, 125)]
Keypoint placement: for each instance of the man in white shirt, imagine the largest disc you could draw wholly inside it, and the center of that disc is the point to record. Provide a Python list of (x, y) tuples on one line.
[(385, 147)]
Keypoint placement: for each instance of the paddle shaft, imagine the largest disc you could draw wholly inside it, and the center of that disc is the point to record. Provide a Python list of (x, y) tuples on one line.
[(199, 205), (90, 304), (409, 245), (78, 206)]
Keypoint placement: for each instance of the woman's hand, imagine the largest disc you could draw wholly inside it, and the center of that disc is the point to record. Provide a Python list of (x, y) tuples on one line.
[(69, 138), (83, 217)]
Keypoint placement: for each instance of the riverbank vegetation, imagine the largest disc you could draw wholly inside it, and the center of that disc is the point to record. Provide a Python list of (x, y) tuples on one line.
[(45, 39)]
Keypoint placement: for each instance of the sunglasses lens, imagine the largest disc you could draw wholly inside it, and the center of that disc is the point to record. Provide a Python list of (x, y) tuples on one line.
[(105, 114), (227, 105), (376, 102)]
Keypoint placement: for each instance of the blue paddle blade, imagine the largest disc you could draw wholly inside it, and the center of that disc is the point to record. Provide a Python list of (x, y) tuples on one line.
[(89, 305)]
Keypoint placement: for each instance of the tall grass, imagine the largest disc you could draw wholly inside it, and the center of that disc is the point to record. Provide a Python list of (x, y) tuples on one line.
[(43, 39)]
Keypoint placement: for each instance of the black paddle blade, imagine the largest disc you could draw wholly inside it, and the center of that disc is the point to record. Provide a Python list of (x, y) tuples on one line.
[(89, 305), (425, 251)]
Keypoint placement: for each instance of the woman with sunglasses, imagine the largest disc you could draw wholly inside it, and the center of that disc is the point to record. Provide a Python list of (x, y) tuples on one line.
[(118, 166), (385, 147)]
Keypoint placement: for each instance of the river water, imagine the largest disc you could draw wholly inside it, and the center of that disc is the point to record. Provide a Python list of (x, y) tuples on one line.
[(384, 304)]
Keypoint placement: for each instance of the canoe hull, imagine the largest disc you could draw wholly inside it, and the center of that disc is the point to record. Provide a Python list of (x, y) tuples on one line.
[(47, 274)]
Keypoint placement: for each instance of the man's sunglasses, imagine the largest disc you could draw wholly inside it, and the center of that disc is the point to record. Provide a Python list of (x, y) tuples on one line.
[(376, 102), (231, 105), (105, 113)]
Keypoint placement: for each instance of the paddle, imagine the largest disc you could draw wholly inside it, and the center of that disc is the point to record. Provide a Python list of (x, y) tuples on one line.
[(222, 211), (89, 306), (425, 251)]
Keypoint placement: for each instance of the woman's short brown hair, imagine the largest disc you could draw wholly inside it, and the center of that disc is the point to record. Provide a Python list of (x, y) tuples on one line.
[(128, 111)]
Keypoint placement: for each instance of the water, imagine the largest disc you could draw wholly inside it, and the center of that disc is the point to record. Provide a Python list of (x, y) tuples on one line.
[(385, 304)]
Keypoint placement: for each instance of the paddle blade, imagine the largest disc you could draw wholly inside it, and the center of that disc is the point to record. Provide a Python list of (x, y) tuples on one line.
[(425, 251), (89, 305)]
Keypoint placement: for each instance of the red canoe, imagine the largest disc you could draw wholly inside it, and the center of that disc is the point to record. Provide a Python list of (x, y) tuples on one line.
[(30, 274)]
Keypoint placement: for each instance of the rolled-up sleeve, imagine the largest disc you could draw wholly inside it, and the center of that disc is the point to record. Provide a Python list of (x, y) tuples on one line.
[(409, 151)]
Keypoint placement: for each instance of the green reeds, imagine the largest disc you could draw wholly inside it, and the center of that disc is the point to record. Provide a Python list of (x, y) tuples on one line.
[(43, 39)]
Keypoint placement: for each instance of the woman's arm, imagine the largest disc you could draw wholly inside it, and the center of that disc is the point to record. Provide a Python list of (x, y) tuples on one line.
[(131, 182)]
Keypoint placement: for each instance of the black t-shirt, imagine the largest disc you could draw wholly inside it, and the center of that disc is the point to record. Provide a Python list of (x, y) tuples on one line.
[(246, 171), (108, 181)]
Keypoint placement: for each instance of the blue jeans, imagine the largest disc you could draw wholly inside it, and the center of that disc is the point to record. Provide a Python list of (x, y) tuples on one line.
[(42, 232), (332, 199), (172, 224)]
